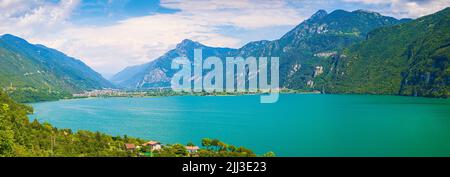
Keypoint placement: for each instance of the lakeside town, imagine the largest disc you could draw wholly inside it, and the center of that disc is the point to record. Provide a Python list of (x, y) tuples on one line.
[(210, 148), (108, 93), (168, 92)]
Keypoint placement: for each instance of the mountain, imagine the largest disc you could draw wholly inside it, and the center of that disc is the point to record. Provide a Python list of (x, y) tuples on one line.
[(158, 73), (36, 72), (301, 50), (309, 46), (407, 59)]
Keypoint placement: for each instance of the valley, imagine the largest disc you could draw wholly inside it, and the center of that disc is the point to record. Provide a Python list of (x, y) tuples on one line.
[(352, 83)]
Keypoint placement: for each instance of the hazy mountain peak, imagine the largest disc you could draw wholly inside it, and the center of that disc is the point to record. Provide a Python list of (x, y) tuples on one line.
[(187, 43), (339, 11), (319, 14), (10, 37), (362, 11)]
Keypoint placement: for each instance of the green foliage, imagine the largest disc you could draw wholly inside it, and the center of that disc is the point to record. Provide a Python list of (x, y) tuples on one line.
[(6, 134), (407, 59), (20, 137), (24, 95), (322, 33), (179, 150), (36, 73), (269, 154), (211, 148), (206, 142)]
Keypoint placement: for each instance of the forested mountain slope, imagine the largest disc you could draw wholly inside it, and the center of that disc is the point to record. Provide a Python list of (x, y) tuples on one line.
[(406, 59), (34, 72)]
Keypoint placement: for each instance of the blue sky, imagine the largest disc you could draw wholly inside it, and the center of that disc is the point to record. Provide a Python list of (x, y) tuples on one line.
[(107, 11), (109, 35)]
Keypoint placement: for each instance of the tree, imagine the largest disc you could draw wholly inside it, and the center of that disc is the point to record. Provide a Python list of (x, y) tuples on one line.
[(35, 124), (179, 150), (6, 134), (269, 154), (232, 148), (6, 142), (206, 142), (222, 146), (215, 143)]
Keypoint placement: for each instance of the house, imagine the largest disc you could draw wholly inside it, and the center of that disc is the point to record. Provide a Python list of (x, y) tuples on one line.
[(192, 149), (130, 147), (310, 83), (153, 145), (318, 71)]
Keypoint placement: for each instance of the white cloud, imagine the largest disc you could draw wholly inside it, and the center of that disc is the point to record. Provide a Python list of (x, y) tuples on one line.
[(244, 13), (140, 39), (109, 48), (370, 1), (30, 18), (405, 8)]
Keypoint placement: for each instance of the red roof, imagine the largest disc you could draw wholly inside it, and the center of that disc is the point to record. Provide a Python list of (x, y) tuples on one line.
[(192, 148), (151, 143), (130, 146)]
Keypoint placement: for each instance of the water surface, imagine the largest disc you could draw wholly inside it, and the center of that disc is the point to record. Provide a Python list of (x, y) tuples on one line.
[(297, 125)]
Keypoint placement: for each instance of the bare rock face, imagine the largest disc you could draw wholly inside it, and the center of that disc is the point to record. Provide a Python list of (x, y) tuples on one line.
[(156, 75)]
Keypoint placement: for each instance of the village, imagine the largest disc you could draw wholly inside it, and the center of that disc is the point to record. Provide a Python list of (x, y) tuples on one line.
[(149, 148), (209, 148), (108, 93)]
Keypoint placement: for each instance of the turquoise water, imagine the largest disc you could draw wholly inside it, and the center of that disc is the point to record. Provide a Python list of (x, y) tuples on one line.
[(297, 125)]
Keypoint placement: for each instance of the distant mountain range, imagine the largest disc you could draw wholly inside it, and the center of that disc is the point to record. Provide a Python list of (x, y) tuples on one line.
[(158, 72), (34, 72), (337, 52)]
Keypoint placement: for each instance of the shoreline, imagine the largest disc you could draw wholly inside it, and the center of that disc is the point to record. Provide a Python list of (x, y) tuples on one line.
[(237, 94), (169, 95)]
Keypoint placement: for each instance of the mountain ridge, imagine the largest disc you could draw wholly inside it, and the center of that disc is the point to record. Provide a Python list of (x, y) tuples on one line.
[(334, 31), (157, 73), (34, 70), (408, 59)]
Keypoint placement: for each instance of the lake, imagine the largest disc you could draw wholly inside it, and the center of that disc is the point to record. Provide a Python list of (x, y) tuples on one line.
[(297, 125)]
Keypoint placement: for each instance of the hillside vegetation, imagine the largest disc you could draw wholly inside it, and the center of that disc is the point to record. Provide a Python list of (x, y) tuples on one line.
[(407, 59), (20, 137), (31, 72)]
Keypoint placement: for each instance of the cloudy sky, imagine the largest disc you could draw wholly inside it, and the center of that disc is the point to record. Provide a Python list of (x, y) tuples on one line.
[(109, 35)]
